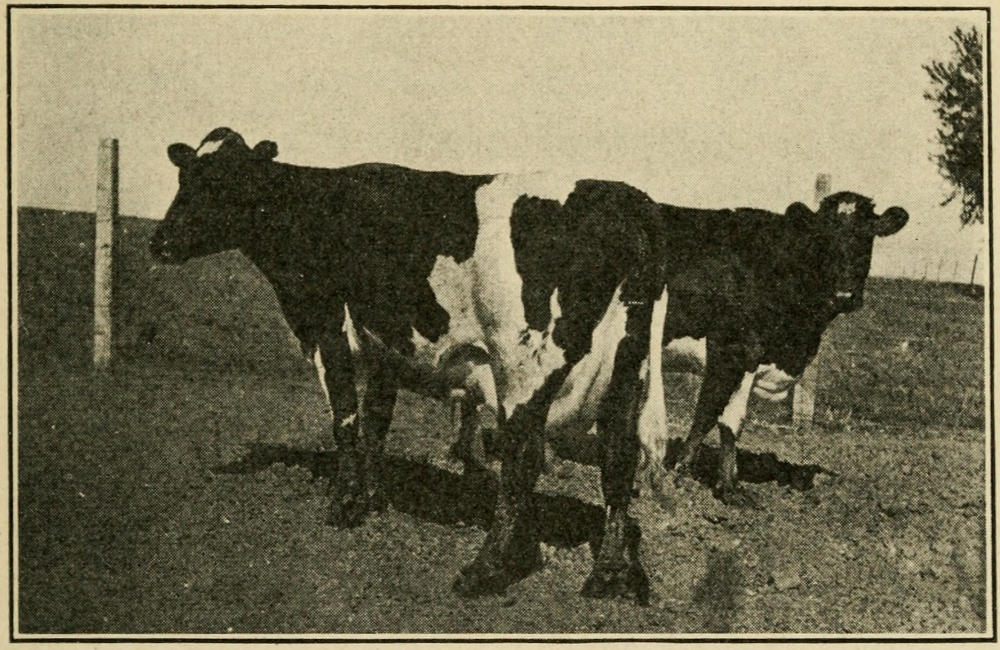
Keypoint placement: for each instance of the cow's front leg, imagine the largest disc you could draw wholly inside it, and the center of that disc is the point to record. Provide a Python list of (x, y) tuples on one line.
[(723, 371), (727, 489), (336, 367), (617, 567), (511, 549)]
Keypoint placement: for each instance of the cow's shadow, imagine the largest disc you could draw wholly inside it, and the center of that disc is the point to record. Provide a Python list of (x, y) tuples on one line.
[(752, 467), (437, 495), (434, 494)]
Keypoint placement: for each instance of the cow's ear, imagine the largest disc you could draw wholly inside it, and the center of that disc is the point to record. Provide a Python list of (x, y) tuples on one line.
[(265, 150), (181, 154), (890, 221), (800, 214)]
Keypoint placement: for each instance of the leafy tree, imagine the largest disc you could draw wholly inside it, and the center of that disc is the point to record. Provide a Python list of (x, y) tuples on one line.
[(957, 91)]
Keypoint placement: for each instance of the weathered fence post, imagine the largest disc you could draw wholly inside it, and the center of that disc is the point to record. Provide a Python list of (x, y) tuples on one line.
[(107, 213), (972, 278), (804, 393)]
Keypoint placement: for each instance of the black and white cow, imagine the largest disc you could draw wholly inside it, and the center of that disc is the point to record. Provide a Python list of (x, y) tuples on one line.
[(399, 278), (751, 293), (424, 280)]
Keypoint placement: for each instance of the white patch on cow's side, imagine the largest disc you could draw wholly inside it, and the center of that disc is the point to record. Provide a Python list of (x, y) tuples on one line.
[(686, 354), (845, 207), (652, 427), (772, 383), (736, 410), (519, 366), (321, 373), (208, 147)]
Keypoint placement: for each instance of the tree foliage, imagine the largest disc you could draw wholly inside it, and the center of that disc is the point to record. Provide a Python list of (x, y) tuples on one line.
[(957, 91)]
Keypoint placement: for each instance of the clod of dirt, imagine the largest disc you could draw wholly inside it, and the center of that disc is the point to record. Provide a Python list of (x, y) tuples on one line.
[(846, 550), (967, 559), (933, 570), (942, 547), (822, 479), (785, 579), (894, 509), (728, 544)]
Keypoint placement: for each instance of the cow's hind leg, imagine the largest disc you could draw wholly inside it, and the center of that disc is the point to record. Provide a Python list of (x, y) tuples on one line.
[(337, 365), (617, 568), (727, 489), (722, 376), (377, 399), (511, 551)]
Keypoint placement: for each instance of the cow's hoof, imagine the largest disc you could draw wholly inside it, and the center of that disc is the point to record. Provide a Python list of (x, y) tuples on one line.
[(346, 513), (625, 581), (737, 497), (485, 577), (478, 580)]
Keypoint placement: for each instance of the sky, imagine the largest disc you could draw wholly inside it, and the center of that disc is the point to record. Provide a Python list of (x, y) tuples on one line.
[(697, 108)]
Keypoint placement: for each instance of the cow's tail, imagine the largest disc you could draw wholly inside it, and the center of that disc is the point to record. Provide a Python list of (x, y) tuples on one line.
[(653, 417)]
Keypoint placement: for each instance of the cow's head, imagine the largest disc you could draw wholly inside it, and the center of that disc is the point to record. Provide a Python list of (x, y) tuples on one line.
[(218, 189), (839, 238)]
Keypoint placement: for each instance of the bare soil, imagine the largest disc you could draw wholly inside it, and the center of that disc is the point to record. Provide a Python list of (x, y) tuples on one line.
[(185, 491), (166, 502)]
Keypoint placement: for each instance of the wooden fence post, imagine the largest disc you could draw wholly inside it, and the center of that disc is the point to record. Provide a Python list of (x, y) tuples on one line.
[(104, 226), (804, 392)]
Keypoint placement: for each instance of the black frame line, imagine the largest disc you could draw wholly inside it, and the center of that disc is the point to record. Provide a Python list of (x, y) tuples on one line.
[(991, 470)]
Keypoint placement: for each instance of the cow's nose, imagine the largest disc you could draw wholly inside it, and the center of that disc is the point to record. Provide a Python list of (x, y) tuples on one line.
[(158, 249), (846, 301)]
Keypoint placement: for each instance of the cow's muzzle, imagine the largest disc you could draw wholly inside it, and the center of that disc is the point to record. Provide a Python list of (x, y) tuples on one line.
[(161, 252), (845, 302)]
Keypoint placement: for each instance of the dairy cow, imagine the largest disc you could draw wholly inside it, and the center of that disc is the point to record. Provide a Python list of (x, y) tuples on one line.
[(397, 278), (751, 293)]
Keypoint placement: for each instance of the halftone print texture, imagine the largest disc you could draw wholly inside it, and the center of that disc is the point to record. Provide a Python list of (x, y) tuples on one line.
[(185, 489)]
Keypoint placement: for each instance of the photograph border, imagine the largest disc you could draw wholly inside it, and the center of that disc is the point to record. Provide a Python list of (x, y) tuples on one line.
[(15, 637)]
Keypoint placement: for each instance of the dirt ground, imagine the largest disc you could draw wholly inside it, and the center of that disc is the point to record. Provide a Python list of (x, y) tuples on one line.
[(186, 491), (169, 502)]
